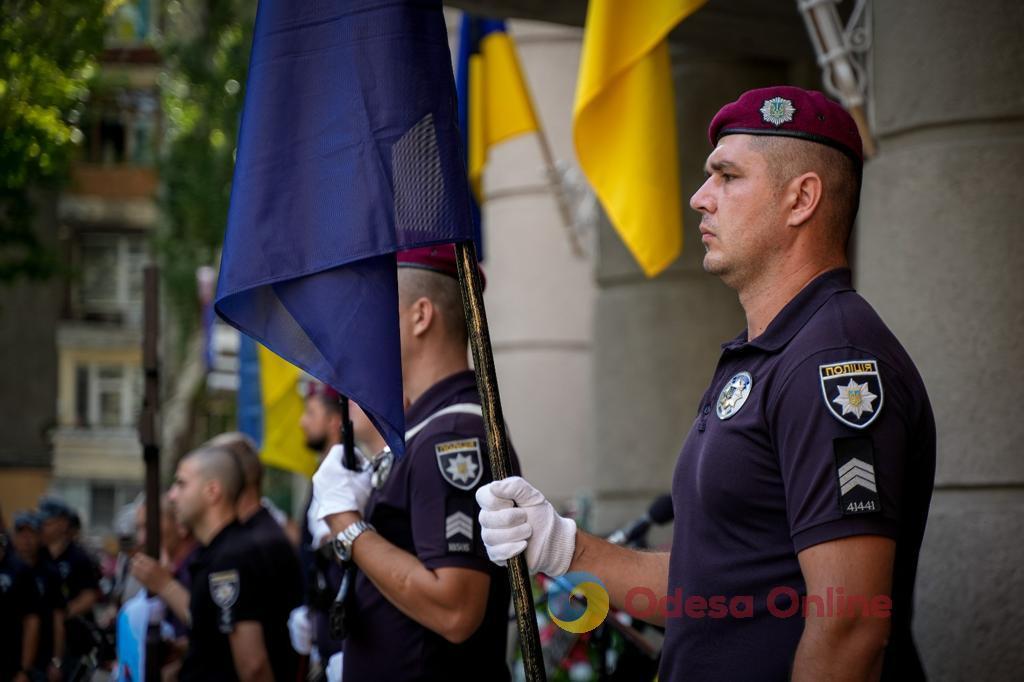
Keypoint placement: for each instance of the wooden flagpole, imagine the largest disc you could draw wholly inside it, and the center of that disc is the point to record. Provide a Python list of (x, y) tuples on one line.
[(497, 447)]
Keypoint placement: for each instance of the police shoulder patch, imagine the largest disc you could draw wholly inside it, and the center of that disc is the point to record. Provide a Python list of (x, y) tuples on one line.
[(460, 462), (852, 390), (224, 588)]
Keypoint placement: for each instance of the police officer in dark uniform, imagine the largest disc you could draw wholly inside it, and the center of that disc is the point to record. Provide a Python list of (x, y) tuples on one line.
[(20, 608), (26, 542), (321, 426), (427, 604), (79, 580), (279, 573), (802, 490), (229, 639)]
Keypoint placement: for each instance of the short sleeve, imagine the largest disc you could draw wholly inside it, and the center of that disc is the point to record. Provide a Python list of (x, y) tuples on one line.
[(446, 470), (55, 599), (85, 572), (28, 599), (842, 441), (236, 588)]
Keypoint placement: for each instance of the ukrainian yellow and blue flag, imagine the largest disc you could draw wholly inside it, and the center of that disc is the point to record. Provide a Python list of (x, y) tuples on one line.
[(624, 123), (270, 404), (494, 102)]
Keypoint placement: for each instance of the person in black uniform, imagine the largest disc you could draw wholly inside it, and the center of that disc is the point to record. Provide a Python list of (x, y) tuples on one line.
[(427, 604), (20, 607), (26, 542), (79, 579), (279, 570), (228, 639)]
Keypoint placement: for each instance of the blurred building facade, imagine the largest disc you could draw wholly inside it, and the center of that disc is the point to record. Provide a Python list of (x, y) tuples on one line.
[(600, 370), (105, 217)]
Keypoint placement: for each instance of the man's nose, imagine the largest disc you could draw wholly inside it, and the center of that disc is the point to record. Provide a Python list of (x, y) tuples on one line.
[(701, 200)]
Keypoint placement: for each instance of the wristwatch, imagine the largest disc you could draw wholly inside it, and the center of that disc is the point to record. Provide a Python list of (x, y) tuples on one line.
[(343, 542)]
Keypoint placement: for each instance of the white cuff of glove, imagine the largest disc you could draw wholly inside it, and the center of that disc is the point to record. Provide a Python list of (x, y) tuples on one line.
[(333, 670), (337, 489), (515, 516), (300, 630)]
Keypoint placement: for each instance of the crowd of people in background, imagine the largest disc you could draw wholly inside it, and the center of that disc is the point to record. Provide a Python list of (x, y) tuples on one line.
[(49, 591), (228, 559)]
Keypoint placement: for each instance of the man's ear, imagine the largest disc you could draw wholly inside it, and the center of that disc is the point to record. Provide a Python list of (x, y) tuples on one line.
[(803, 197), (423, 314), (212, 491)]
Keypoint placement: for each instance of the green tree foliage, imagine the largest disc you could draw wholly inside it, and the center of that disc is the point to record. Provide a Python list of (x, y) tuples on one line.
[(47, 56), (206, 54)]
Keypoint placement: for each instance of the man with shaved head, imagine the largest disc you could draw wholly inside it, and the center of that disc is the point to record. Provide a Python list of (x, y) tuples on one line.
[(802, 490), (279, 576), (228, 640)]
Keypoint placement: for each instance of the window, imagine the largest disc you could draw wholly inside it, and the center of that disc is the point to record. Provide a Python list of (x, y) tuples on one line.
[(107, 395), (101, 507), (111, 269)]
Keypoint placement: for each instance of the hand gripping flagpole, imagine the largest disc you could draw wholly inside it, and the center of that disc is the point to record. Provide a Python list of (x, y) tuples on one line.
[(497, 447)]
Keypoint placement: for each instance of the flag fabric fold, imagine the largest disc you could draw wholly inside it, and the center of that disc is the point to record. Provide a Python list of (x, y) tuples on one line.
[(348, 151), (624, 127)]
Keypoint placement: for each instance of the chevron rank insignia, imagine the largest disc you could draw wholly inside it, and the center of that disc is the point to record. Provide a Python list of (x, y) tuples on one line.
[(460, 463), (855, 468), (458, 524), (852, 390)]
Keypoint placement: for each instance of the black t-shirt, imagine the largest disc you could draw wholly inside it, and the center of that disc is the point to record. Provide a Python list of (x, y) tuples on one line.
[(18, 598), (279, 581), (818, 429), (226, 590), (77, 573), (48, 585), (427, 507)]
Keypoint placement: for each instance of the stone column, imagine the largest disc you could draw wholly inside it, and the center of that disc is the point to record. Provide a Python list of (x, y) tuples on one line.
[(939, 254)]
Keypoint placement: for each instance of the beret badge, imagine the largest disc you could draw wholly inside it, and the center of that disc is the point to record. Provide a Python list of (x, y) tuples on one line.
[(777, 111)]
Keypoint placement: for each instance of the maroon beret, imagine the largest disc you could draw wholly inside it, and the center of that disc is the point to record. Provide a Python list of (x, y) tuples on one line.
[(317, 389), (791, 112), (439, 258)]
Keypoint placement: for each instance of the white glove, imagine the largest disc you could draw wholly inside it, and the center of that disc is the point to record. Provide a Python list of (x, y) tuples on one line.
[(334, 668), (318, 530), (533, 525), (337, 489), (300, 630)]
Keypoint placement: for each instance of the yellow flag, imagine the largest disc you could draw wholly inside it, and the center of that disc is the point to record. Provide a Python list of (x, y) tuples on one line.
[(624, 125), (499, 101), (283, 443)]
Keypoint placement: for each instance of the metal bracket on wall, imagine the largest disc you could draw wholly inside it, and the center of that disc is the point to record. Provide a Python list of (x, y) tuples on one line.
[(842, 53)]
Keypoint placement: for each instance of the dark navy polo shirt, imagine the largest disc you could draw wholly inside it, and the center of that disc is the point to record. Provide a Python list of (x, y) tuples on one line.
[(78, 572), (427, 507), (825, 432), (47, 581), (18, 598)]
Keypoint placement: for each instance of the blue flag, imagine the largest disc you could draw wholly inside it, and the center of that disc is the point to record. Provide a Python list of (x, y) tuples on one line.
[(348, 151)]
